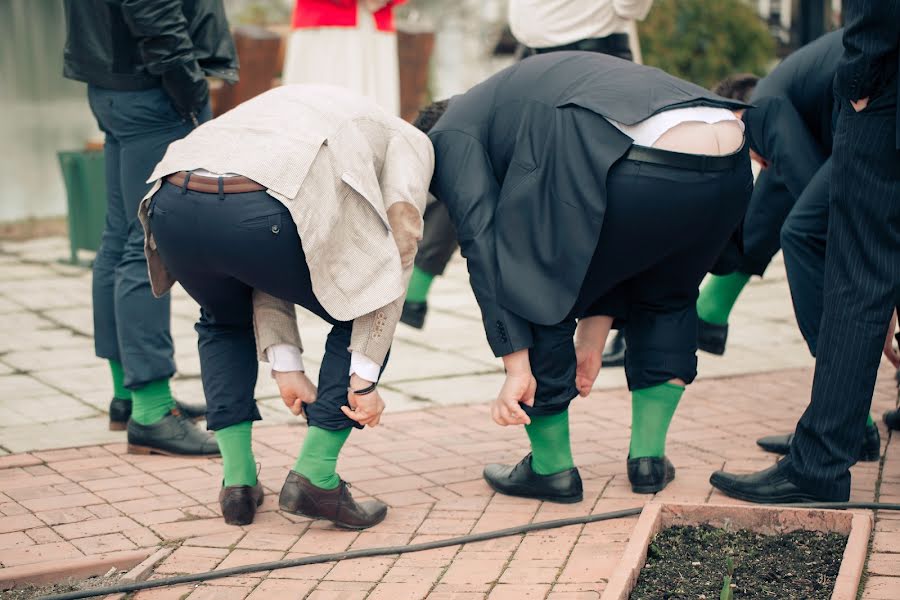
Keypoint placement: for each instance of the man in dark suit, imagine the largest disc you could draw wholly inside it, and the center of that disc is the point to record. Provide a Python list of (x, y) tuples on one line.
[(862, 268), (551, 170), (789, 131)]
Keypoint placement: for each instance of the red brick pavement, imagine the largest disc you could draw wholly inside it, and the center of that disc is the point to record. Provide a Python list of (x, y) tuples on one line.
[(64, 505)]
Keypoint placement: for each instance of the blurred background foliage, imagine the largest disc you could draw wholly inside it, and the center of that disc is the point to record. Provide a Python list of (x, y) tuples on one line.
[(706, 40)]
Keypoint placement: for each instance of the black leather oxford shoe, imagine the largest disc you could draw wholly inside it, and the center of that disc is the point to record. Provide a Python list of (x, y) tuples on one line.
[(174, 435), (120, 412), (414, 313), (521, 480), (711, 338), (239, 503), (892, 419), (614, 353), (649, 474), (769, 486), (870, 451)]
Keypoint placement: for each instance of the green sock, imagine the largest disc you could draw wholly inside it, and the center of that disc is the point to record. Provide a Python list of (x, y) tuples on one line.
[(870, 421), (419, 284), (318, 457), (652, 410), (718, 295), (118, 375), (238, 462), (551, 451), (152, 402)]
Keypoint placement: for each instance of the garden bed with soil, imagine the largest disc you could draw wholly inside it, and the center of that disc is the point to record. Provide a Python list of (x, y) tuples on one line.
[(709, 552)]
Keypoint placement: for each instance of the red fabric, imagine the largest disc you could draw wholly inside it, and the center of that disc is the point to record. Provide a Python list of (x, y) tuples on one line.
[(310, 14)]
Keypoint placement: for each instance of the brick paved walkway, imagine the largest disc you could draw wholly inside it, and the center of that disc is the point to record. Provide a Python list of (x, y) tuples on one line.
[(60, 505)]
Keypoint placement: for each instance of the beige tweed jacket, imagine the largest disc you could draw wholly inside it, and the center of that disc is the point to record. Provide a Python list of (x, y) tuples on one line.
[(355, 180)]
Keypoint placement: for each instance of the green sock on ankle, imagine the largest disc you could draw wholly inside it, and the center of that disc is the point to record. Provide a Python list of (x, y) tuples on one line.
[(152, 402), (551, 451), (718, 295), (419, 284), (238, 462), (869, 420), (118, 376), (652, 410), (319, 455)]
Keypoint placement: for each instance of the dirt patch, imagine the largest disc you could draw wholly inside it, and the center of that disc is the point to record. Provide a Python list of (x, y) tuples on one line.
[(30, 592), (690, 563)]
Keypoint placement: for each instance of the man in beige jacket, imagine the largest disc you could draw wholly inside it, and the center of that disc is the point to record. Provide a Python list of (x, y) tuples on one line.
[(306, 195)]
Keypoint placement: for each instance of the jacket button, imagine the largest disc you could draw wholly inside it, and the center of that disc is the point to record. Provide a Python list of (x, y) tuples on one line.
[(276, 229)]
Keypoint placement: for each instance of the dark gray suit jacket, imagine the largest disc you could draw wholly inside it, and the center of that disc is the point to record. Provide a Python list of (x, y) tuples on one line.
[(521, 162)]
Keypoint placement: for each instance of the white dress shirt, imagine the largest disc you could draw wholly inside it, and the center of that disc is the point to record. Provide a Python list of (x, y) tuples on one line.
[(646, 132), (548, 23)]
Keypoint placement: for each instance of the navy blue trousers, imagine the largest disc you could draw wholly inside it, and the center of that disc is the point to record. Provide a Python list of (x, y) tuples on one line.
[(862, 286), (221, 248), (130, 325), (663, 229)]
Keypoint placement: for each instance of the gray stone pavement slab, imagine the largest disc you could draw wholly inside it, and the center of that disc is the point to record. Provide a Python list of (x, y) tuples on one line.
[(54, 393)]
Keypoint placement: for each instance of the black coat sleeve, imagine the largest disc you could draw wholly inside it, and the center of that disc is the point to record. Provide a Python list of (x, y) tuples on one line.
[(464, 180), (871, 41), (778, 133), (166, 48)]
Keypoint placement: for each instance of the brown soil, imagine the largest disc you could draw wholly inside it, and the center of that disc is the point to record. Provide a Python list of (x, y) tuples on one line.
[(29, 592), (689, 563)]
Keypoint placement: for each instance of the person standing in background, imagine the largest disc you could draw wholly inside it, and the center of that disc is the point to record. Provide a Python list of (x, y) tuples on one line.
[(348, 43), (541, 26), (145, 63)]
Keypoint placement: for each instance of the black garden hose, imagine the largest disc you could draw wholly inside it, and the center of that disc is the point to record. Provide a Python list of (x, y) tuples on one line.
[(388, 550)]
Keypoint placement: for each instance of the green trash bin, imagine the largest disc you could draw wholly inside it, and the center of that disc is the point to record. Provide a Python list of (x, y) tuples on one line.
[(84, 173)]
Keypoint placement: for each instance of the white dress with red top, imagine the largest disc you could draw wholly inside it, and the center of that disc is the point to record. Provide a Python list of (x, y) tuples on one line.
[(345, 43)]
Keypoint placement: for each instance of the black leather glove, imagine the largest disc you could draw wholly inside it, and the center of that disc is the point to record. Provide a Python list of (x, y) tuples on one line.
[(188, 89)]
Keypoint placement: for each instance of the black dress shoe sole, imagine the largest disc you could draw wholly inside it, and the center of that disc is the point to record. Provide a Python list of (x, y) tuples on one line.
[(758, 499), (118, 425), (543, 498), (145, 450), (652, 489), (337, 523)]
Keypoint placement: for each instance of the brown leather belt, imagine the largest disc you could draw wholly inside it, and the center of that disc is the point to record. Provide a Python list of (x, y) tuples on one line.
[(237, 184)]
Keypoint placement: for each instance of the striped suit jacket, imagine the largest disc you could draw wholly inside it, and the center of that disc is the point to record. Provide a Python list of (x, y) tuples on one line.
[(355, 180)]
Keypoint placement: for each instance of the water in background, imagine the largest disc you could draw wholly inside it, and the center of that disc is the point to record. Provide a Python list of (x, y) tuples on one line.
[(40, 112)]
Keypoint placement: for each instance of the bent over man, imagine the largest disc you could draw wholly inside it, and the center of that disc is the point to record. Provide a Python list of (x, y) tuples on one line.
[(584, 189), (306, 195)]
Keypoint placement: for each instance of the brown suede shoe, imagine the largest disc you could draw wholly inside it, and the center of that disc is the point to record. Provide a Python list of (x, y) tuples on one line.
[(300, 497), (239, 503)]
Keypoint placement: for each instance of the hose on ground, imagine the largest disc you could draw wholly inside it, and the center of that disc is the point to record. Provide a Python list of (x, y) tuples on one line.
[(403, 549)]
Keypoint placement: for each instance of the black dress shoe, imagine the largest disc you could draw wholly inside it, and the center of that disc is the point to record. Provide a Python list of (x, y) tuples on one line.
[(649, 474), (174, 435), (614, 353), (892, 419), (414, 314), (711, 337), (239, 503), (870, 451), (120, 412), (521, 480), (300, 497), (769, 486)]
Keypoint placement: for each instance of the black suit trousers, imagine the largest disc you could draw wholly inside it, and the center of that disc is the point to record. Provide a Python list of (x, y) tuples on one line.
[(220, 249), (862, 286)]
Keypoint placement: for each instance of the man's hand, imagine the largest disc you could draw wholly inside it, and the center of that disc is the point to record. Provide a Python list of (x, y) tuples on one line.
[(519, 387), (296, 389), (589, 358), (889, 352), (365, 409), (860, 104), (762, 162)]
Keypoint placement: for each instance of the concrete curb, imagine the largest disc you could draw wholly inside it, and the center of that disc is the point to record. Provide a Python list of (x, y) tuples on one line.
[(73, 568)]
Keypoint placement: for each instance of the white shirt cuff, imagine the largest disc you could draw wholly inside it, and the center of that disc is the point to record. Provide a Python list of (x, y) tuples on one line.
[(285, 357), (364, 366)]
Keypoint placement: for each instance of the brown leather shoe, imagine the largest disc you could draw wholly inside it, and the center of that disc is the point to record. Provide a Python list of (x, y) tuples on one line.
[(239, 503), (300, 497)]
